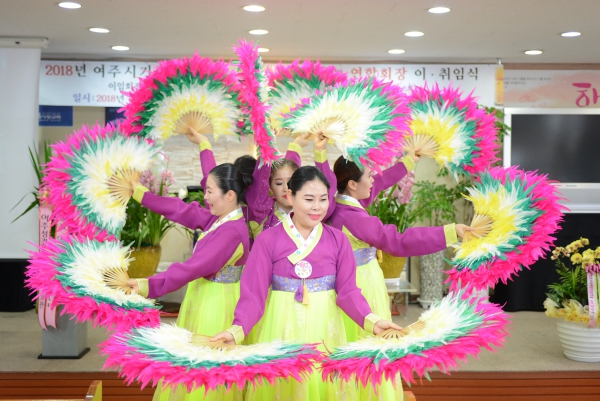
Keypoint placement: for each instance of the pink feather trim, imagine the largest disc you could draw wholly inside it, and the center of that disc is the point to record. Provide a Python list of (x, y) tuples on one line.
[(445, 358), (41, 278), (256, 107), (535, 246), (198, 66), (64, 212), (486, 131), (307, 69), (133, 365)]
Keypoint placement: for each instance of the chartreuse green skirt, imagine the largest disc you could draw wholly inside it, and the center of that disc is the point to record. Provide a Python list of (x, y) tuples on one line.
[(370, 280), (207, 309), (318, 322)]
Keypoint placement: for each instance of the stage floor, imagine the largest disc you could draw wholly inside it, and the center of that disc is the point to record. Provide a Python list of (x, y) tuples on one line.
[(532, 347)]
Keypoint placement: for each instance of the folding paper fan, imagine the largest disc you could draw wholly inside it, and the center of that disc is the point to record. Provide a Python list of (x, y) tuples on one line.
[(450, 330), (366, 120), (90, 178), (254, 95), (192, 91), (180, 357), (451, 129), (516, 213), (75, 272), (296, 81)]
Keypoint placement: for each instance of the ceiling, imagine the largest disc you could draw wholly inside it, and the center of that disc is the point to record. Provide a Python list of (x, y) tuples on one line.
[(475, 31)]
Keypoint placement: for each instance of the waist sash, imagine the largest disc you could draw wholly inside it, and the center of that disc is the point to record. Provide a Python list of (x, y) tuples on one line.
[(365, 255), (288, 284), (228, 274)]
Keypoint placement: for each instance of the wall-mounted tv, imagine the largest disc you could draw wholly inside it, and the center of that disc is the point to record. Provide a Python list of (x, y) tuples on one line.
[(563, 143)]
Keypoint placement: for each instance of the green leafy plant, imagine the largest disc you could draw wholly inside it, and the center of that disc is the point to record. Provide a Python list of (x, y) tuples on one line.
[(142, 226), (572, 284), (38, 165), (392, 206), (433, 203)]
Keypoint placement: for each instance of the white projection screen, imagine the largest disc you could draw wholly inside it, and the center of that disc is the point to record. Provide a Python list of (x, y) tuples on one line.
[(19, 82)]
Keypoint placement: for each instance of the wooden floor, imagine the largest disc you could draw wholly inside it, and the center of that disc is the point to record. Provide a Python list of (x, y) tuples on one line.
[(460, 386)]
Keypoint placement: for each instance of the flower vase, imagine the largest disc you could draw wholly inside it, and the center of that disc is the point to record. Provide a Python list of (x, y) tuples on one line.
[(431, 269), (579, 342), (146, 261)]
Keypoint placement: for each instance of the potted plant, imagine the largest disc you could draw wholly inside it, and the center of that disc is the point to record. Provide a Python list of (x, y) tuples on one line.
[(433, 204), (391, 207), (145, 229), (574, 300)]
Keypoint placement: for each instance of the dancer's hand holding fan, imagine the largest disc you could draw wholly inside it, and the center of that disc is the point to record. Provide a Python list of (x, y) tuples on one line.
[(449, 331), (516, 214), (89, 278), (180, 357), (366, 120), (451, 129), (192, 92)]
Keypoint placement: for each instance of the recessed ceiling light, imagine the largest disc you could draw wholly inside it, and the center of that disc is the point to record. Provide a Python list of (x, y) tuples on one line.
[(533, 52), (414, 34), (396, 51), (69, 4), (254, 8), (439, 10), (262, 50), (99, 30), (570, 34), (258, 32), (120, 48)]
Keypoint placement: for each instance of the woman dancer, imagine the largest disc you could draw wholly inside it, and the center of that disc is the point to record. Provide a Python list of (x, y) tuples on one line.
[(310, 269), (213, 271), (367, 234)]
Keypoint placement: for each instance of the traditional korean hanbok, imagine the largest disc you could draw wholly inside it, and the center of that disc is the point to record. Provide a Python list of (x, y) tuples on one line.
[(213, 273), (310, 280), (263, 211)]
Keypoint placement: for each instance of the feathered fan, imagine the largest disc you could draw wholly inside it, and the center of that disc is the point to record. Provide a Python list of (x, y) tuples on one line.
[(451, 129), (366, 120), (516, 213), (452, 329), (192, 91), (180, 357), (90, 178), (296, 81), (254, 94), (86, 277)]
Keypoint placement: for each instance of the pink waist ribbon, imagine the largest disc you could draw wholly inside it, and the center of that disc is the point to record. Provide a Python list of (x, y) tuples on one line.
[(593, 278)]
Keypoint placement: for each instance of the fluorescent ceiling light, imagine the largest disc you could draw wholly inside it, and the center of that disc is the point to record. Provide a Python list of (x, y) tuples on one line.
[(120, 48), (533, 52), (570, 34), (414, 34), (258, 32), (69, 4), (254, 8), (396, 51), (99, 30), (262, 50), (439, 10)]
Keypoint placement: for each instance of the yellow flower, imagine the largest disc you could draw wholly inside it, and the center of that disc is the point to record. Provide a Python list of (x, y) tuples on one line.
[(551, 308), (571, 248), (597, 253), (584, 241), (589, 254), (576, 258)]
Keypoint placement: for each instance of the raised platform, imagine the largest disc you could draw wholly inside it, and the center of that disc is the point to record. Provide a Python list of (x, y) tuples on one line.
[(531, 366)]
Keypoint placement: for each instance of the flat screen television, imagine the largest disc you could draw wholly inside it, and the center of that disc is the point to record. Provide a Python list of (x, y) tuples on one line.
[(563, 143)]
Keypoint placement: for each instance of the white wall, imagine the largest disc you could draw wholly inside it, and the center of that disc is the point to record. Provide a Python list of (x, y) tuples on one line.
[(19, 78)]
